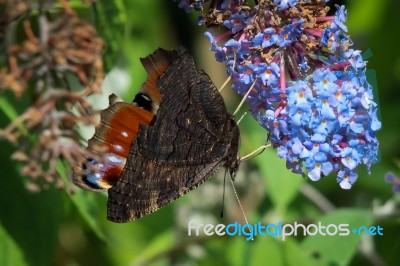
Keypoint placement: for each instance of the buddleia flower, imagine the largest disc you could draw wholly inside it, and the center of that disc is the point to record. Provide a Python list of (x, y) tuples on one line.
[(302, 80)]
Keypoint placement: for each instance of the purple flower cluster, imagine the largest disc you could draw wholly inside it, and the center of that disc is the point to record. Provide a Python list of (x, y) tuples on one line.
[(303, 82), (391, 178)]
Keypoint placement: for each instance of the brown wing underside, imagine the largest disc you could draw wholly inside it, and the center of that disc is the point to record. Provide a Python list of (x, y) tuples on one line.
[(192, 118), (149, 186), (187, 143)]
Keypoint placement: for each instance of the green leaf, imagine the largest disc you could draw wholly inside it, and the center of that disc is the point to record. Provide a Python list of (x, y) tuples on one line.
[(264, 250), (336, 249), (11, 113), (7, 109), (294, 254), (282, 184), (87, 203), (158, 245), (368, 16), (32, 220), (10, 253), (110, 22), (268, 250)]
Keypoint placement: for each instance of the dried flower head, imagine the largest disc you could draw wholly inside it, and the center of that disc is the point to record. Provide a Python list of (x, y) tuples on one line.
[(64, 50)]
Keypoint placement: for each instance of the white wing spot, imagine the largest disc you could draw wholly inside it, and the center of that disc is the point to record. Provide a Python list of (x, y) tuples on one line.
[(118, 147)]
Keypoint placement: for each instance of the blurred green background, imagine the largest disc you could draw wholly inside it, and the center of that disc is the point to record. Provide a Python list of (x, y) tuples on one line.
[(55, 227)]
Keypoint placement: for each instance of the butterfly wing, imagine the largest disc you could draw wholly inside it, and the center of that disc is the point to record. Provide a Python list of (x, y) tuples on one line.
[(192, 136), (192, 118), (147, 186), (108, 149)]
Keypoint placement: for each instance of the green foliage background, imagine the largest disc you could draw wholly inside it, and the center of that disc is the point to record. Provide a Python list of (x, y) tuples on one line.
[(54, 227)]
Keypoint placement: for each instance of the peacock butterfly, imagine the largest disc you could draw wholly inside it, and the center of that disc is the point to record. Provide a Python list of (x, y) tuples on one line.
[(172, 138)]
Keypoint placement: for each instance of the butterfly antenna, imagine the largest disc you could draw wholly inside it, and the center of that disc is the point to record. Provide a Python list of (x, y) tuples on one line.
[(245, 97), (257, 151), (254, 153), (240, 204), (223, 196), (240, 119), (230, 76), (226, 82)]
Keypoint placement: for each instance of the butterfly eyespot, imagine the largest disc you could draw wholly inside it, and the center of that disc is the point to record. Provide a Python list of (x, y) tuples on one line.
[(144, 101)]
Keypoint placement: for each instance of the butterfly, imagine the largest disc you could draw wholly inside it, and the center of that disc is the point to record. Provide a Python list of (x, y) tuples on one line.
[(175, 135)]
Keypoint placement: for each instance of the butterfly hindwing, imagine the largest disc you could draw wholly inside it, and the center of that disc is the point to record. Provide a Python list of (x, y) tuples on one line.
[(148, 186)]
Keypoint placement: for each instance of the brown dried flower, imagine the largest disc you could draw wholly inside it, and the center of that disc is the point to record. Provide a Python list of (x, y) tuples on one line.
[(42, 65)]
